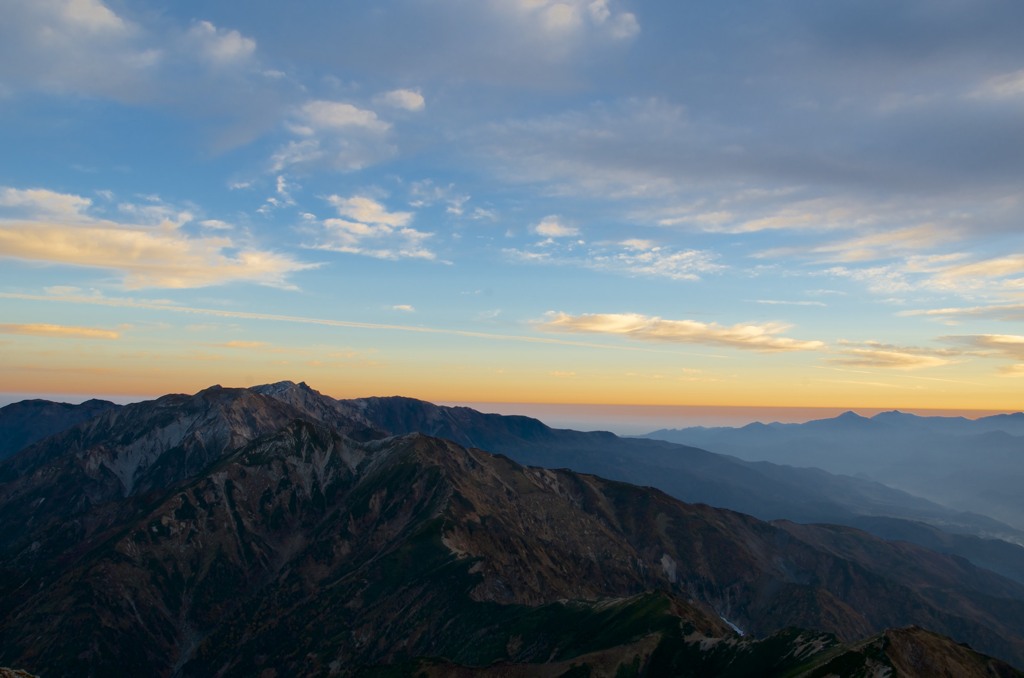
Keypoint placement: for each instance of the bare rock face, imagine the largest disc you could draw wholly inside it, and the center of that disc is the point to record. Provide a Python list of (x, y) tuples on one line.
[(14, 673), (240, 532)]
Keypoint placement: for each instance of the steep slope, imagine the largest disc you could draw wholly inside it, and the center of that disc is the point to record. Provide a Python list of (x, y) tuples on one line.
[(765, 490), (62, 496), (305, 552), (692, 474), (28, 421)]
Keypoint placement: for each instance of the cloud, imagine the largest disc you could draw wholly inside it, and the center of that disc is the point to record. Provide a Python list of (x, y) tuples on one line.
[(657, 262), (426, 193), (371, 230), (328, 115), (221, 47), (333, 134), (635, 257), (551, 227), (168, 307), (241, 343), (947, 273), (884, 244), (1002, 86), (756, 337), (406, 99), (887, 356), (83, 47), (60, 331), (1009, 346), (368, 211), (561, 17), (999, 311), (153, 251), (216, 224), (1007, 270), (78, 46), (406, 308), (779, 302)]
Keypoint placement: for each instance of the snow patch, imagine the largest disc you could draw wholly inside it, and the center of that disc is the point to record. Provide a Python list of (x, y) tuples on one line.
[(668, 566), (732, 626)]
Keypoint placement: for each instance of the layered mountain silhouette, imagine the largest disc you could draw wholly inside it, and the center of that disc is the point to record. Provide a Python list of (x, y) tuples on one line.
[(971, 465), (276, 531)]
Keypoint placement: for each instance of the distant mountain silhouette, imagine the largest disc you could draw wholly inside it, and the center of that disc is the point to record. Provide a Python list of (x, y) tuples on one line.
[(25, 422), (971, 465)]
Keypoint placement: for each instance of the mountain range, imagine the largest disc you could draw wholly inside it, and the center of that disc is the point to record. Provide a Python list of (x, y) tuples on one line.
[(969, 465), (276, 531)]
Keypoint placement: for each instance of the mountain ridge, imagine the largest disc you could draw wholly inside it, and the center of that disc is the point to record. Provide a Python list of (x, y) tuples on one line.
[(287, 534), (970, 465)]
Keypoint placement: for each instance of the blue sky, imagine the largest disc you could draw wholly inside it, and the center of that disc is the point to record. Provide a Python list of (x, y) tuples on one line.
[(795, 203)]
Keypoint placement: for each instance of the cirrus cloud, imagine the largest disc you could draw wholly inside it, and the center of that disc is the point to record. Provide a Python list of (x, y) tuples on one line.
[(751, 336), (1010, 346), (888, 356), (59, 331)]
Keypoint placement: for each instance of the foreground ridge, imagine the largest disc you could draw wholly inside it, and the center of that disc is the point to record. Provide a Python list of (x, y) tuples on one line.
[(240, 531)]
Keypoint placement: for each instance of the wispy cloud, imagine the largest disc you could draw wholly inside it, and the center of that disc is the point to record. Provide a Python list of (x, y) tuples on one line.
[(1009, 346), (782, 302), (884, 244), (167, 307), (221, 47), (633, 257), (57, 229), (333, 134), (951, 273), (60, 331), (756, 337), (245, 344), (371, 230), (1002, 86), (559, 19), (999, 311), (887, 356)]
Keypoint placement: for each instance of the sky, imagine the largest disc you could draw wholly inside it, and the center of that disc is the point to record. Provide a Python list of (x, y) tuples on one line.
[(662, 203)]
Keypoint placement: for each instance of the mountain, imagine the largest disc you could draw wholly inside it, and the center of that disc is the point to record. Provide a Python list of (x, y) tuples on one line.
[(970, 465), (71, 488), (232, 533), (25, 422), (765, 490), (693, 474)]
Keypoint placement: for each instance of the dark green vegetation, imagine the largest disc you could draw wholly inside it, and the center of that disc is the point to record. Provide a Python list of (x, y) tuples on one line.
[(276, 532)]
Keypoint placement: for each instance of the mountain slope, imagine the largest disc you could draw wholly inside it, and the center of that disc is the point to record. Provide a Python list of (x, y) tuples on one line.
[(693, 474), (28, 421), (300, 550)]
